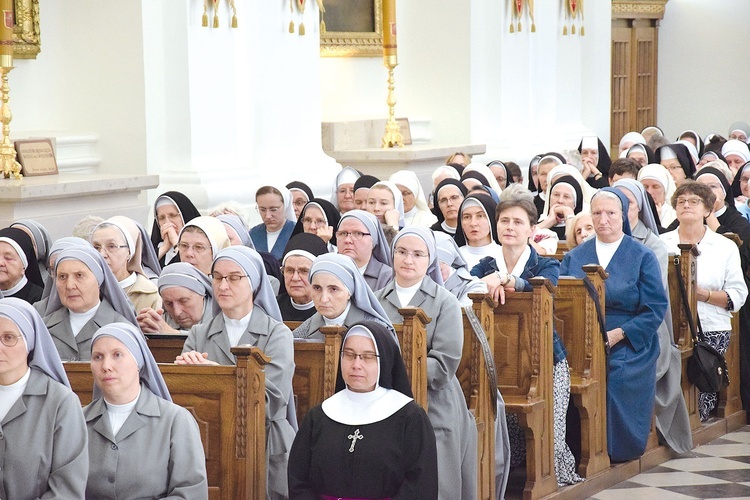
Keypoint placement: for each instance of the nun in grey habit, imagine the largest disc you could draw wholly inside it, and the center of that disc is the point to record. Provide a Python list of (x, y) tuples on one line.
[(43, 452), (257, 322), (671, 413), (455, 428), (456, 276), (362, 304), (376, 265)]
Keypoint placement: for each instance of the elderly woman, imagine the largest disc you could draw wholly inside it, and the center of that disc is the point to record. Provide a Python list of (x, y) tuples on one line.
[(237, 231), (360, 236), (394, 453), (141, 445), (301, 195), (596, 161), (44, 453), (721, 289), (274, 204), (296, 303), (416, 211), (578, 229), (454, 271), (476, 236), (172, 210), (39, 237), (677, 160), (187, 300), (672, 421), (519, 262), (57, 247), (200, 241), (660, 185), (250, 315), (565, 200), (85, 298), (635, 306), (343, 189), (641, 154), (448, 196), (119, 241), (417, 283), (341, 297), (19, 272), (319, 217)]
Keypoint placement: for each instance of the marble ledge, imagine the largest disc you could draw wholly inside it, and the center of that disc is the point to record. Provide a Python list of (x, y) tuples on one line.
[(66, 185), (412, 153)]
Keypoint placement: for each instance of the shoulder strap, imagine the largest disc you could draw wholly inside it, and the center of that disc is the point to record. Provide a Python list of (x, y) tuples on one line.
[(685, 303), (595, 297), (489, 360)]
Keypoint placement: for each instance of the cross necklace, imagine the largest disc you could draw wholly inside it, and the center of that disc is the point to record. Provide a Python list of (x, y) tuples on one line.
[(354, 437)]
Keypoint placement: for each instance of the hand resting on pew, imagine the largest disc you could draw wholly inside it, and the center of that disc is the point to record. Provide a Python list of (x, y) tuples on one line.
[(152, 321), (497, 287), (194, 358)]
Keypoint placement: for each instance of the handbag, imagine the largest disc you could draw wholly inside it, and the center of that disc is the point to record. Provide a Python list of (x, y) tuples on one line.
[(706, 368)]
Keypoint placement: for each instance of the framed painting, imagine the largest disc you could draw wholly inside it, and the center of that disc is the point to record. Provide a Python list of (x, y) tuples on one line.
[(26, 38), (353, 28)]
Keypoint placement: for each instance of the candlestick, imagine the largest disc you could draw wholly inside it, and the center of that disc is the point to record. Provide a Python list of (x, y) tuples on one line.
[(392, 137), (8, 161)]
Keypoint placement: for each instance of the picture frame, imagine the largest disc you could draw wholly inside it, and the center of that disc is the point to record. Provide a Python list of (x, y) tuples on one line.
[(26, 33), (36, 156), (405, 130), (354, 28)]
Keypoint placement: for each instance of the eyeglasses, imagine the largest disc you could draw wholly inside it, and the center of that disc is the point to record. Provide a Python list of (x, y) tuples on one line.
[(345, 191), (289, 271), (232, 278), (356, 235), (318, 222), (693, 202), (10, 340), (171, 216), (109, 247), (198, 248), (401, 252), (265, 210), (455, 199), (350, 356), (674, 167)]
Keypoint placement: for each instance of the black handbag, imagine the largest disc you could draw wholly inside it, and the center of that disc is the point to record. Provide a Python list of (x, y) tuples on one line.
[(706, 368)]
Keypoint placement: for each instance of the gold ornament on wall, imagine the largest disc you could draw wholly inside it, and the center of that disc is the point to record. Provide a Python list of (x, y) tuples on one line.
[(215, 6), (573, 10), (516, 13)]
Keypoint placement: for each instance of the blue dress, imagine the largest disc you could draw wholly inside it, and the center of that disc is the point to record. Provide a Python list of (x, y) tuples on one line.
[(636, 302), (259, 236)]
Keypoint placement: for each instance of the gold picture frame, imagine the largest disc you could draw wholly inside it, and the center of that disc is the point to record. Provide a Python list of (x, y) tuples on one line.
[(26, 34), (360, 28)]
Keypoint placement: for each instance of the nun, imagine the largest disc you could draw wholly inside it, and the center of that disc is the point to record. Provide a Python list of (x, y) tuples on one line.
[(448, 196), (141, 444), (275, 208), (39, 237), (635, 306), (385, 202), (360, 236), (565, 201), (341, 297), (417, 283), (19, 272), (500, 172), (237, 231), (393, 454), (596, 161), (296, 303), (741, 190), (677, 160), (201, 240), (44, 452), (454, 271), (187, 300), (641, 153), (119, 242), (670, 411), (362, 189), (172, 210), (319, 217), (736, 154), (57, 247), (301, 194), (250, 316), (416, 211), (343, 189), (660, 185), (629, 139), (482, 169), (533, 175), (86, 297), (476, 236)]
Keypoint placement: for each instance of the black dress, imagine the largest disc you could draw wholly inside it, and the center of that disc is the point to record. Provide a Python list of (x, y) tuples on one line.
[(291, 313), (30, 293), (393, 458)]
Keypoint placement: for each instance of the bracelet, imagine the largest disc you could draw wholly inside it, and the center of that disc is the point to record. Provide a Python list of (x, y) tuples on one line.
[(598, 176), (708, 300)]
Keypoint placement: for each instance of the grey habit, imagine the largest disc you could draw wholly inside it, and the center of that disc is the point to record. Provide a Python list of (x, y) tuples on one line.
[(187, 276), (378, 271), (455, 428)]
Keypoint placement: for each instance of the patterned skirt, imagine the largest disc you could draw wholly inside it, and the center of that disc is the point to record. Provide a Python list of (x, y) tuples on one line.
[(719, 340)]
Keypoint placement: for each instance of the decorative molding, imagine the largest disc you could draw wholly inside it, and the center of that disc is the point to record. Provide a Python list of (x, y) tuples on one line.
[(26, 33), (638, 9), (354, 43)]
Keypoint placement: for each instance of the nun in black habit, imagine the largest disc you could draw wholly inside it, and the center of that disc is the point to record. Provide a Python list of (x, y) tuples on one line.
[(599, 175), (370, 439), (27, 285), (679, 152), (296, 303), (177, 210)]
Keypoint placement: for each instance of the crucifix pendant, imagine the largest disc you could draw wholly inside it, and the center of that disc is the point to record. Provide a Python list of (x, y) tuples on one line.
[(354, 437)]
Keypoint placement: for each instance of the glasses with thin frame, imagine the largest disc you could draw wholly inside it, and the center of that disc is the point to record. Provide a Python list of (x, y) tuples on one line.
[(232, 279), (197, 248), (402, 252), (290, 271), (110, 248), (350, 356), (693, 202), (9, 340), (356, 235)]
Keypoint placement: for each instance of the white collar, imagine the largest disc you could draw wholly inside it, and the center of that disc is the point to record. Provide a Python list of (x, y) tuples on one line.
[(301, 307), (16, 288), (338, 320), (361, 408), (520, 265), (129, 281), (721, 211), (447, 228)]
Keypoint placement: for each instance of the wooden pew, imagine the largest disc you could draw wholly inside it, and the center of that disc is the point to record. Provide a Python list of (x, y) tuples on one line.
[(522, 330), (472, 374), (412, 337), (578, 326), (562, 249), (228, 402), (165, 346), (681, 328)]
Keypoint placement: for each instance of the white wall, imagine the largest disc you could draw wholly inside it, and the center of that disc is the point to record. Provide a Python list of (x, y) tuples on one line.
[(703, 66), (88, 79)]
